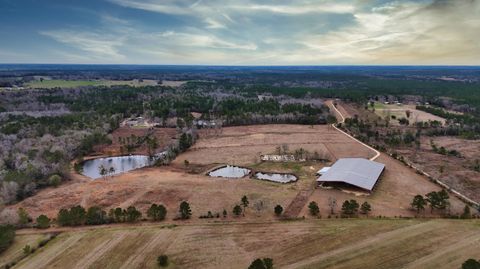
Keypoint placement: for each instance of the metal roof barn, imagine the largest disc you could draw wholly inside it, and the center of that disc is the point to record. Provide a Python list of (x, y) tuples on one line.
[(358, 172)]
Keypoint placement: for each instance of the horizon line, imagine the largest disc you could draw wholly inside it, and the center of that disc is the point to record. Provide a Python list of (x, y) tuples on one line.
[(222, 65)]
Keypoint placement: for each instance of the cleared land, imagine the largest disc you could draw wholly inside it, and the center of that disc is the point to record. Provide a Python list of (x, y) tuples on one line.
[(56, 83), (354, 243), (242, 146), (457, 172), (400, 111)]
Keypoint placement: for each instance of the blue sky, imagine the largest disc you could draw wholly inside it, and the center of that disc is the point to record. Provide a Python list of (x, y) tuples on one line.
[(242, 32)]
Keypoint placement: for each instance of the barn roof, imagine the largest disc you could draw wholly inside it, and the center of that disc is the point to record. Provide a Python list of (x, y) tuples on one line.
[(358, 172)]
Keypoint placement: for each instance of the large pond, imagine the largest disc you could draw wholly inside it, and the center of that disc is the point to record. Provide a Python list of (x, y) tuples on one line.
[(230, 171), (120, 164), (275, 177)]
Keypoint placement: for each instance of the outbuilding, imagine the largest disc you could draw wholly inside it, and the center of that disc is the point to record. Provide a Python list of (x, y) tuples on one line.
[(352, 174)]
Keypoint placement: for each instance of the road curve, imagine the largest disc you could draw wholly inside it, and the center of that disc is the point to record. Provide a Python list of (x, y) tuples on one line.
[(377, 153)]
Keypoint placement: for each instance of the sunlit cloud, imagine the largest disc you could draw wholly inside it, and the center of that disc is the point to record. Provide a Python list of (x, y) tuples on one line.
[(272, 32)]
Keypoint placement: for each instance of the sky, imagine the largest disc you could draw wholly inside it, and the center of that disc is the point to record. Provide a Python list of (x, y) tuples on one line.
[(241, 32)]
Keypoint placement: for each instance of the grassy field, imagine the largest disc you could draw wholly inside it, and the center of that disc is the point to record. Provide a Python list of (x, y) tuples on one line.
[(400, 111), (54, 83), (338, 243)]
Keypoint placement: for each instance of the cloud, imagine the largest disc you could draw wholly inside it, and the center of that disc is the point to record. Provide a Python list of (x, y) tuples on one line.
[(190, 7), (284, 32), (213, 24), (167, 8), (406, 32), (297, 9), (98, 45), (199, 41)]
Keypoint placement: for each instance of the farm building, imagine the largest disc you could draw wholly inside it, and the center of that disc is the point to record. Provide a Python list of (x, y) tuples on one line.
[(323, 170), (352, 173)]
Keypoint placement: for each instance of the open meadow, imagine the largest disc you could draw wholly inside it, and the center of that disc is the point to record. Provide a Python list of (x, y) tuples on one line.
[(404, 111)]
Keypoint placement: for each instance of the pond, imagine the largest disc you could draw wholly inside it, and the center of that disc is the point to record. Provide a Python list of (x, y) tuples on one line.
[(276, 177), (120, 164), (230, 171)]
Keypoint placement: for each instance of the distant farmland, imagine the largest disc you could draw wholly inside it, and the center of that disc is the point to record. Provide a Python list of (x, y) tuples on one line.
[(58, 83)]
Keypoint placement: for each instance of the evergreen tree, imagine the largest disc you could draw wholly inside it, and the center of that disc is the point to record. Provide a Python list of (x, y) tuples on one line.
[(63, 217), (237, 210), (157, 212), (245, 203), (95, 216), (418, 203), (350, 207), (365, 208), (313, 208), (77, 215), (185, 211), (132, 214)]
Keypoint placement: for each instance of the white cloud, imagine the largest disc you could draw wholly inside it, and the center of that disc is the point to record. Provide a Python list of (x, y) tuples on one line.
[(158, 6), (299, 8), (187, 7), (299, 32), (213, 24), (200, 41), (99, 45)]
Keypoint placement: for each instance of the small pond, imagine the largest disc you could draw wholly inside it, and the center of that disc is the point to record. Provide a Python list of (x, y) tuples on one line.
[(121, 164), (230, 171), (275, 177)]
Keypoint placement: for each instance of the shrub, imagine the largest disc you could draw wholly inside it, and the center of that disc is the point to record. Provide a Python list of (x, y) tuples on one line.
[(27, 249), (43, 222), (162, 260), (265, 263), (54, 180), (278, 210), (471, 264), (313, 208)]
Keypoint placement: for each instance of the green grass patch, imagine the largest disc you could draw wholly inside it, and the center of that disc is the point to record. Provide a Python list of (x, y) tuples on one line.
[(54, 83), (378, 105)]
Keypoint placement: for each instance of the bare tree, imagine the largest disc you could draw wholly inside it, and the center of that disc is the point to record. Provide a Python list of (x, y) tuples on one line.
[(332, 203)]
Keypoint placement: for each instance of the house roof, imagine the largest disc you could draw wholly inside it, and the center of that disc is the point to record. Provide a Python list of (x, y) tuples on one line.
[(358, 172)]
